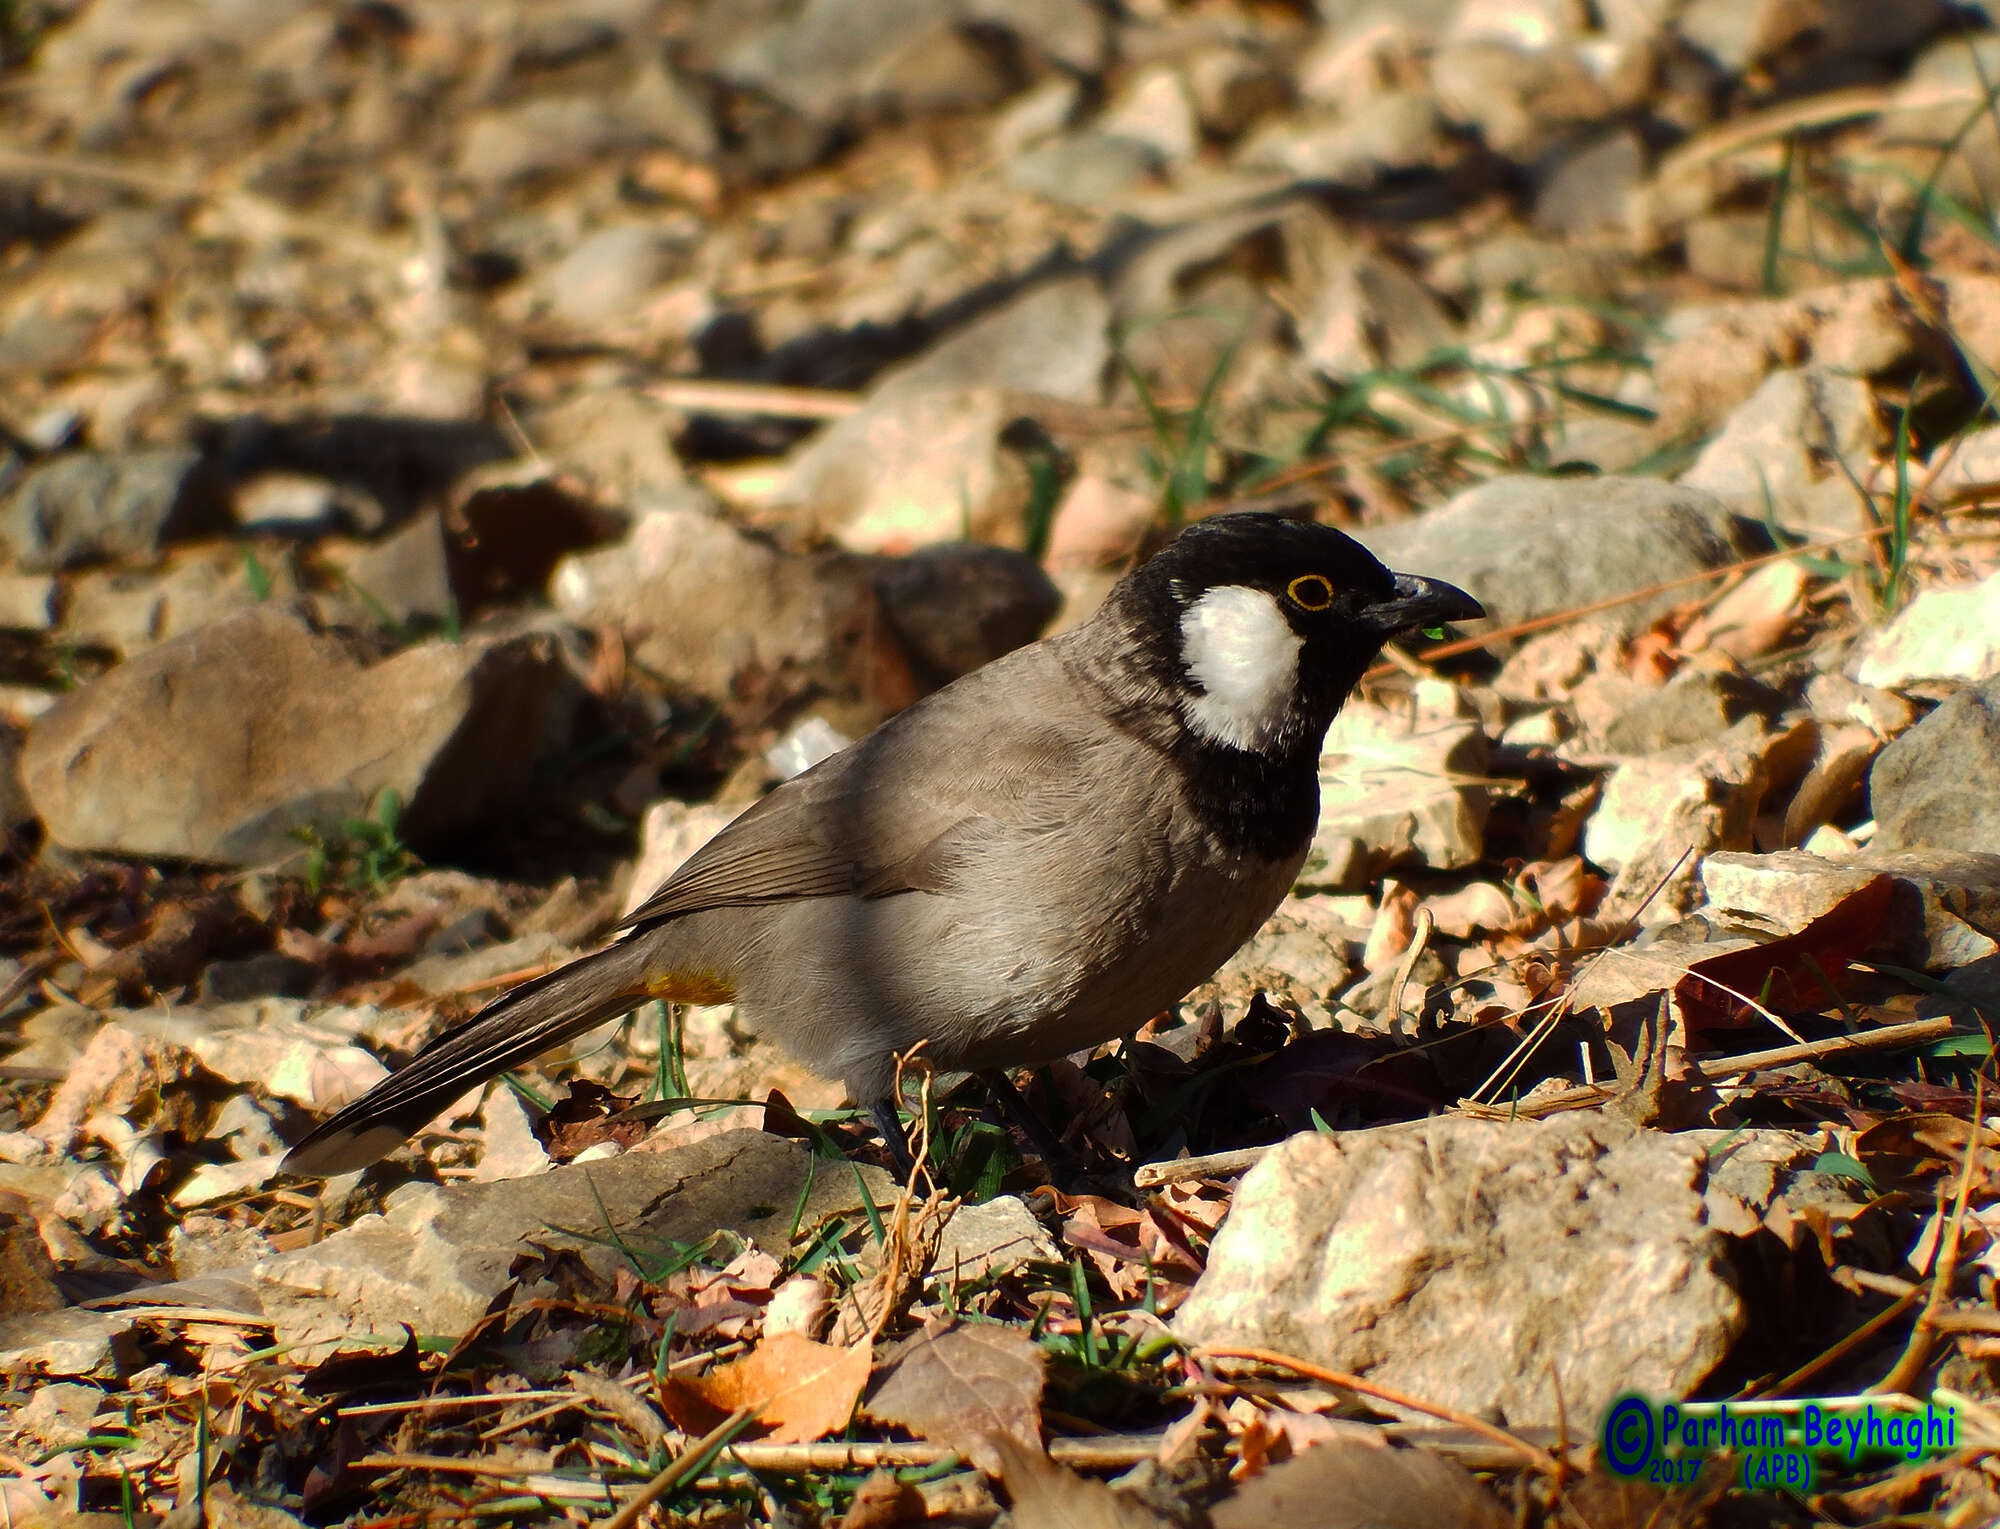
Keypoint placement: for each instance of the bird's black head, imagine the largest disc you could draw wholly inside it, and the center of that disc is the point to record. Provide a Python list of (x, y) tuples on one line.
[(1260, 626)]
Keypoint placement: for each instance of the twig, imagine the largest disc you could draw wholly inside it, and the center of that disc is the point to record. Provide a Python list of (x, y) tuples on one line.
[(452, 1464), (1391, 1017), (1540, 1458), (1721, 1069), (686, 1464), (1924, 1331), (1818, 111), (1887, 1036), (1210, 1165), (443, 1403), (708, 396), (148, 182), (1854, 1340)]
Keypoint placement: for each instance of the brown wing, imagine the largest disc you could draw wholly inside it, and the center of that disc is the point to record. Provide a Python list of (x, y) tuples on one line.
[(884, 816)]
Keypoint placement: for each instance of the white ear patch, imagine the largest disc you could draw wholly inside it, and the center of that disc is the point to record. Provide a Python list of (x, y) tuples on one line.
[(1244, 656)]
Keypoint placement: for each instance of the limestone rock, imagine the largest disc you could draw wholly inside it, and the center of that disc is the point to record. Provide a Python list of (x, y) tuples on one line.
[(440, 1254), (1660, 813), (1398, 788), (1783, 445), (1528, 547), (1945, 633), (702, 604), (220, 745), (1938, 786), (90, 506), (1943, 915), (1479, 1263)]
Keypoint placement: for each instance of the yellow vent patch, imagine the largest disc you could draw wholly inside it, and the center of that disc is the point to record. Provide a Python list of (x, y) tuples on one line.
[(684, 985)]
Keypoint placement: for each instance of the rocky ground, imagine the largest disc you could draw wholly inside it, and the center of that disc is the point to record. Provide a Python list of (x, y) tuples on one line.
[(454, 456)]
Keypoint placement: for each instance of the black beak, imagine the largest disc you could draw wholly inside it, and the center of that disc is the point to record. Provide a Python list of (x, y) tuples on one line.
[(1422, 602)]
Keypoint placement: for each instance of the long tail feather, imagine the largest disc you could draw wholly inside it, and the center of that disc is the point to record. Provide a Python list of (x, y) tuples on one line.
[(515, 1028)]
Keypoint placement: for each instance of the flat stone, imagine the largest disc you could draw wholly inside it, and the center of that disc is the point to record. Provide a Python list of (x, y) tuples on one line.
[(164, 755), (1938, 786), (1398, 788), (1084, 169), (132, 610), (1518, 1270), (101, 1344), (1356, 146), (827, 57), (439, 1255), (1367, 312), (702, 604), (27, 601), (914, 468), (287, 1047), (1585, 191), (1521, 100), (1943, 914), (1660, 813), (997, 1237), (1156, 108), (1528, 547), (1947, 632), (1715, 355), (1782, 447), (619, 438), (93, 506), (1691, 709), (605, 277), (1054, 340), (957, 605)]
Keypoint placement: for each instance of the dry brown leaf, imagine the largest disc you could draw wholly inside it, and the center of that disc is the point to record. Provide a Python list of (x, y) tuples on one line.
[(883, 1502), (1355, 1484), (1803, 970), (801, 1390), (964, 1385), (1920, 1144), (1046, 1496)]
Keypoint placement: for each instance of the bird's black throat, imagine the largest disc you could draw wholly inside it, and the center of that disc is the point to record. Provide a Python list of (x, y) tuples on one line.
[(1261, 805)]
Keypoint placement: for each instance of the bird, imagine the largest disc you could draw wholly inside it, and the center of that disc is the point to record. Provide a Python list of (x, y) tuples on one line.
[(1033, 860)]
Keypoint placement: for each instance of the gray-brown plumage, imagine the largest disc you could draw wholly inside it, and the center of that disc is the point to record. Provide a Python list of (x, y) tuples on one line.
[(1034, 860)]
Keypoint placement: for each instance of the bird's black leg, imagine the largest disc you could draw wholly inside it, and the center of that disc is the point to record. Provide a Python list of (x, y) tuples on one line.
[(1057, 1158), (890, 1125)]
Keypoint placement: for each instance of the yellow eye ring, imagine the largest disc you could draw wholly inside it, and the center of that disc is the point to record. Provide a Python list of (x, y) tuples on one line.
[(1311, 591)]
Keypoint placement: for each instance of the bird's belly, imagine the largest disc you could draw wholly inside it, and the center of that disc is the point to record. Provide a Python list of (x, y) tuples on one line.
[(1198, 923), (1005, 977)]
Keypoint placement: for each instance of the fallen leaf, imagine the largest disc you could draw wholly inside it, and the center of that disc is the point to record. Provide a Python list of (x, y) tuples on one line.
[(965, 1385), (1907, 1148), (883, 1502), (799, 1389), (347, 1374), (1801, 971), (585, 1118), (1355, 1484), (1046, 1496)]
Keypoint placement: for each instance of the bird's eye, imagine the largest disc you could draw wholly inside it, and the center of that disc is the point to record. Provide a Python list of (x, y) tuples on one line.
[(1311, 591)]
